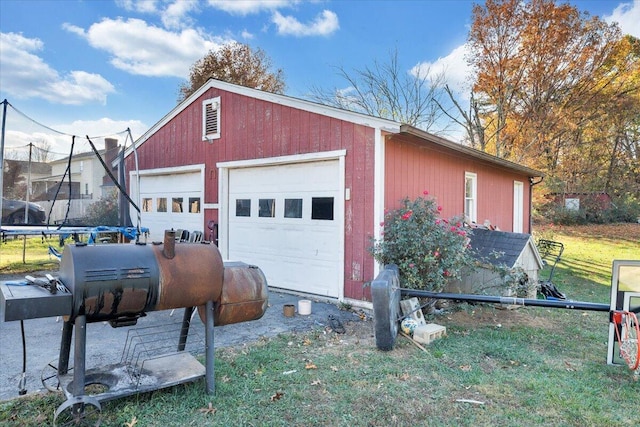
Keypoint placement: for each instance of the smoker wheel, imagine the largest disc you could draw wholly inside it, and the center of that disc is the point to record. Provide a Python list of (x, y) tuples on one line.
[(49, 376), (78, 411)]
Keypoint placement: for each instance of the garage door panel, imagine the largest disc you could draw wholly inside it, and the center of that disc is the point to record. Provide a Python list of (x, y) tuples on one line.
[(185, 186), (295, 253)]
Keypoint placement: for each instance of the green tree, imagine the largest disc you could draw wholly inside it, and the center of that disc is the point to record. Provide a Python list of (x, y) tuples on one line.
[(14, 182), (103, 212)]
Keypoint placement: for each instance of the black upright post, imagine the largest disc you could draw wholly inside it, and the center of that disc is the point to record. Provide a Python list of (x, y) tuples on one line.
[(65, 347), (184, 330), (79, 352), (210, 354)]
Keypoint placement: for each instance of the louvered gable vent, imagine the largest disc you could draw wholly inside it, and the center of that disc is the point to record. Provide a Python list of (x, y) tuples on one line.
[(211, 119)]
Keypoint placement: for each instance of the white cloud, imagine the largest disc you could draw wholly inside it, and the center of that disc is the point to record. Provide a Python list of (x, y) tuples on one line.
[(73, 29), (247, 7), (323, 25), (627, 15), (454, 68), (139, 48), (176, 15), (142, 6), (173, 14), (26, 75), (246, 35)]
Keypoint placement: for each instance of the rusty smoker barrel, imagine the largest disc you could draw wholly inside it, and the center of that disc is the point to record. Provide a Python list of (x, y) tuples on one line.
[(120, 282), (244, 295)]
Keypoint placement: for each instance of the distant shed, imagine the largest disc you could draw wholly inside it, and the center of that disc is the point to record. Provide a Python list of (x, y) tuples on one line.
[(500, 249)]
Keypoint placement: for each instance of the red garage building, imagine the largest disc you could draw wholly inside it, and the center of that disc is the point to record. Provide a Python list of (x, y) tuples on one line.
[(299, 188)]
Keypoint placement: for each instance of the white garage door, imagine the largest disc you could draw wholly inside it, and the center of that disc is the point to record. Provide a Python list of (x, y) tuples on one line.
[(170, 201), (287, 219)]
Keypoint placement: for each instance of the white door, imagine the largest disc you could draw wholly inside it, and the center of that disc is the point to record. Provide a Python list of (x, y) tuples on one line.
[(287, 220), (518, 206), (170, 201)]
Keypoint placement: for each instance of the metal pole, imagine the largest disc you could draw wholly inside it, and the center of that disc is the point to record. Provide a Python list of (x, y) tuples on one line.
[(184, 330), (571, 305), (27, 198), (79, 356), (26, 205), (65, 347), (123, 206), (210, 353), (4, 121)]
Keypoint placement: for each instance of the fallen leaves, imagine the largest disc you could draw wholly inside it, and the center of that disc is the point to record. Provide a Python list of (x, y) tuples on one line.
[(362, 315), (210, 410), (277, 396), (131, 423), (404, 377)]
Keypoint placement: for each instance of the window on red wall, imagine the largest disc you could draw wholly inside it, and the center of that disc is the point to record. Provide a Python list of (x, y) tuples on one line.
[(471, 197)]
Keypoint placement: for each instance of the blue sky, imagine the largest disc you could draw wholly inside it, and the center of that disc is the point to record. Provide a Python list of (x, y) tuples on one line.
[(94, 67)]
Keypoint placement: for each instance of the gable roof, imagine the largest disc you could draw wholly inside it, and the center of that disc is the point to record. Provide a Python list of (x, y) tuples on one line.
[(340, 114), (301, 104), (508, 246)]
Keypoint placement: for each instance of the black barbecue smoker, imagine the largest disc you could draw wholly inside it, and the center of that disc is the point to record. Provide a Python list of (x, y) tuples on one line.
[(119, 284)]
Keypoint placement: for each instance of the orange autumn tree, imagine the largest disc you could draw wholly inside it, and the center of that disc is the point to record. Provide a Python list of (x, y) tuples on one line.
[(234, 63), (557, 90)]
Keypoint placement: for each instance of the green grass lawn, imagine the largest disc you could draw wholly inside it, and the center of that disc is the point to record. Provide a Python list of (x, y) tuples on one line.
[(525, 367), (19, 255)]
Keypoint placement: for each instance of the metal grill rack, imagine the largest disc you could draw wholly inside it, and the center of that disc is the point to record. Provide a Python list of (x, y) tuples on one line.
[(145, 346)]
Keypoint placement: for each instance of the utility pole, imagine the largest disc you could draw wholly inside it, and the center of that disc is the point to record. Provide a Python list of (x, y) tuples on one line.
[(26, 204), (4, 121)]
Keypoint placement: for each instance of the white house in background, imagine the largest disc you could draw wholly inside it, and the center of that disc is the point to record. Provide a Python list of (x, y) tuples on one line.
[(89, 183)]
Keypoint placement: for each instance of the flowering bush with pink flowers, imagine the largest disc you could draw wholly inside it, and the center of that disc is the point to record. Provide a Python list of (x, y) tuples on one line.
[(428, 250)]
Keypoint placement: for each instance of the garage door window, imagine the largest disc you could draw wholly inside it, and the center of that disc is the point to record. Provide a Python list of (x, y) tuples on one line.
[(243, 207), (194, 204), (147, 205), (322, 208), (293, 208), (176, 205), (162, 204), (266, 208)]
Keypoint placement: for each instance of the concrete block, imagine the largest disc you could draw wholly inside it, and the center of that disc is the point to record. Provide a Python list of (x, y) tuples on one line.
[(424, 334), (411, 306)]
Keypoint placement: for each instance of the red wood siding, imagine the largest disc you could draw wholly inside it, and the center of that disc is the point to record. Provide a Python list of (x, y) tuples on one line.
[(411, 168), (254, 129)]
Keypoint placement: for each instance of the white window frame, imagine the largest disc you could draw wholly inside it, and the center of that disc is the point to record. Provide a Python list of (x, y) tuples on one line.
[(213, 103), (471, 216), (518, 207)]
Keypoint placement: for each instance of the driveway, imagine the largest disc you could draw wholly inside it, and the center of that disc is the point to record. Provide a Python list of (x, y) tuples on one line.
[(105, 345)]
